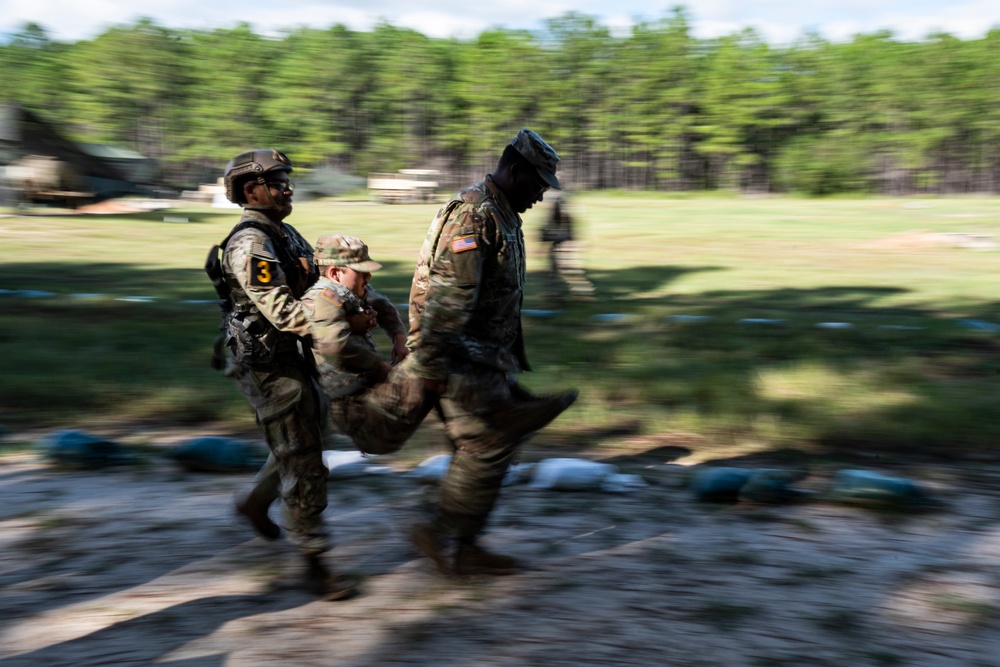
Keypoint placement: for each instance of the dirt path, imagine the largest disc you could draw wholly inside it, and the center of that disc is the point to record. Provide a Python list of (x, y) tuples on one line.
[(145, 566)]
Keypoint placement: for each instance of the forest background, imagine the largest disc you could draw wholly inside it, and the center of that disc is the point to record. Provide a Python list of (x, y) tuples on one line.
[(657, 109)]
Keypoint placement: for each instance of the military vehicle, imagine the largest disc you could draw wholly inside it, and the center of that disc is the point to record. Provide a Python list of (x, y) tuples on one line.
[(408, 186)]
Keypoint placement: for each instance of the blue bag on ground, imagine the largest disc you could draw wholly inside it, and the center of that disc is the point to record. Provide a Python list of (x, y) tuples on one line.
[(76, 449), (760, 485), (864, 487), (218, 454)]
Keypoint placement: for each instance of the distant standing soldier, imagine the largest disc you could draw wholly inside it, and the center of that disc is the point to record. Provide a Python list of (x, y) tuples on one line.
[(371, 401), (566, 275), (467, 344), (265, 269)]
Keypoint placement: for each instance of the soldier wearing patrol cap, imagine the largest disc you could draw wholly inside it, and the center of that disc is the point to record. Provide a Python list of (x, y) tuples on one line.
[(566, 277), (467, 344), (371, 401), (265, 268)]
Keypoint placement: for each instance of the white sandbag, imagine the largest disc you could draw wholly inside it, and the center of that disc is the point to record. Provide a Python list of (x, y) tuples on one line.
[(571, 474), (621, 483), (343, 464), (432, 469)]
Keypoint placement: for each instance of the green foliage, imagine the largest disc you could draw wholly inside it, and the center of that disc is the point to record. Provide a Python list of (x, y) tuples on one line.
[(653, 109)]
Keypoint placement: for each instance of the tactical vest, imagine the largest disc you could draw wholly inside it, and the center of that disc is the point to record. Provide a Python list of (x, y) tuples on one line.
[(252, 339)]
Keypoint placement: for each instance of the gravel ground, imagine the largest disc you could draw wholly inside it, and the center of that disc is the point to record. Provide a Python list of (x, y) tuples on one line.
[(147, 566)]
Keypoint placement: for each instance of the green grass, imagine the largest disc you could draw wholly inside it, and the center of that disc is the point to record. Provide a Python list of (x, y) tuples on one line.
[(743, 387)]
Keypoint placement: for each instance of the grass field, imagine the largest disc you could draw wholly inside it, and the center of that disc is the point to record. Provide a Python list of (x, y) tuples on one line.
[(906, 373)]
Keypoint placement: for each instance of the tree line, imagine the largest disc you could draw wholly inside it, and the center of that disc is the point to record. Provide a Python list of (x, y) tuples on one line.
[(655, 109)]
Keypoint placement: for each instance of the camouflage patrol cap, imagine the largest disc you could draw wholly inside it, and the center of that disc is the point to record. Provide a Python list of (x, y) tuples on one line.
[(542, 156), (346, 251), (252, 164)]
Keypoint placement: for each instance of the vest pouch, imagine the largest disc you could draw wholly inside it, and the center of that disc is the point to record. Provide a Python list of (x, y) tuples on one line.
[(251, 342)]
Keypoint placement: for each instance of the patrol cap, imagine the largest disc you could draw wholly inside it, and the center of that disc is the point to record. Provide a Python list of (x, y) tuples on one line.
[(346, 251), (542, 156)]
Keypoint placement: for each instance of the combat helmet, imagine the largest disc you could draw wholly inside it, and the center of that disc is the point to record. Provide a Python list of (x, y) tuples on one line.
[(252, 164)]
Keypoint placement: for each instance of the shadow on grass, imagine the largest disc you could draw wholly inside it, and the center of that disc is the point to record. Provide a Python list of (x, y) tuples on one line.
[(898, 377)]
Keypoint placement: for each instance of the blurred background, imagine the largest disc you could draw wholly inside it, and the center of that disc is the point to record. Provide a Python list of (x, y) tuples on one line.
[(833, 168), (655, 105)]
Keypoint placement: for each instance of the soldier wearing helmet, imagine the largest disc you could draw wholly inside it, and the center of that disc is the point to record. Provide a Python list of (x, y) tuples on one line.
[(266, 266)]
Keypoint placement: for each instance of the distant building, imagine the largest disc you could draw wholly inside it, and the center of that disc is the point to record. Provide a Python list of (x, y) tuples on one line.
[(39, 165)]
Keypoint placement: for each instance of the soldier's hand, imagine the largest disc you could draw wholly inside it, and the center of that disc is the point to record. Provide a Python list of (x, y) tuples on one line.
[(399, 349), (363, 321)]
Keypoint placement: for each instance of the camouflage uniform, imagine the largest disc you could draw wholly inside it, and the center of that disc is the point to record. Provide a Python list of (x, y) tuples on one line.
[(566, 276), (379, 416), (264, 335), (465, 327)]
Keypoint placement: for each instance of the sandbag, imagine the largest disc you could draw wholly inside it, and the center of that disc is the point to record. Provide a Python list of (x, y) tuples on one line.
[(217, 454), (80, 450), (566, 474), (760, 485), (343, 464), (865, 487)]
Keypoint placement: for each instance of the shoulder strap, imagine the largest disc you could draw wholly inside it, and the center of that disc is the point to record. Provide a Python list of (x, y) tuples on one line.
[(289, 264)]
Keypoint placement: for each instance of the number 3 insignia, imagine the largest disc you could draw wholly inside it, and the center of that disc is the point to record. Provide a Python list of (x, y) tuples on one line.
[(262, 272)]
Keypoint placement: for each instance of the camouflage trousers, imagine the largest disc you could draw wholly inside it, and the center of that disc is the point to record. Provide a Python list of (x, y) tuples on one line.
[(566, 276), (289, 408), (481, 455), (382, 418)]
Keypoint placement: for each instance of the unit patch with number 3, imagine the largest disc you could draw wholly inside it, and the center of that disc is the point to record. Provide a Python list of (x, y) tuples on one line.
[(263, 272)]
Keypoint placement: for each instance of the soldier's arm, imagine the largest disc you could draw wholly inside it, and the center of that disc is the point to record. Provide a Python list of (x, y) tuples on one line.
[(389, 320), (387, 316), (333, 339), (452, 291), (256, 268)]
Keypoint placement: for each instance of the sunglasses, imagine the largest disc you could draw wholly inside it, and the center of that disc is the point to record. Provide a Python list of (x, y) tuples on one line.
[(281, 186)]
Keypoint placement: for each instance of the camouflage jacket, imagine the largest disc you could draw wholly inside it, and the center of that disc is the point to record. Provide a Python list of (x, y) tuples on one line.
[(265, 290), (465, 300), (345, 359)]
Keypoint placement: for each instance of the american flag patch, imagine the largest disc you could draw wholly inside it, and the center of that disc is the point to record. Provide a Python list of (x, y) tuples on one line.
[(463, 243), (258, 249), (332, 297)]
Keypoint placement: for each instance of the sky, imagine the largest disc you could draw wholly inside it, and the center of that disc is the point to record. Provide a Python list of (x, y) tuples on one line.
[(778, 21)]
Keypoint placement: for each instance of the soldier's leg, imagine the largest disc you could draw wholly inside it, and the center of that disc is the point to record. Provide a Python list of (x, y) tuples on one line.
[(472, 484), (487, 416), (291, 411), (296, 445), (573, 270), (381, 419), (287, 402), (555, 286), (255, 503)]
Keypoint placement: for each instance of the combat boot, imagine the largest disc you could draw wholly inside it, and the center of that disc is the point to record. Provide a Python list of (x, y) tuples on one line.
[(527, 416), (254, 511), (325, 583), (473, 559), (431, 543)]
